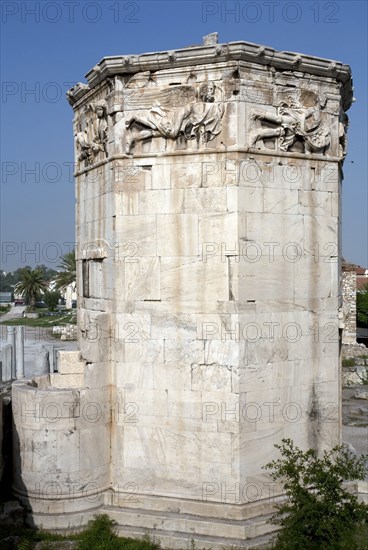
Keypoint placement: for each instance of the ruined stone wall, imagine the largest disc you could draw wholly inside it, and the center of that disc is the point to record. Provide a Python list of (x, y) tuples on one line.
[(61, 443), (349, 304)]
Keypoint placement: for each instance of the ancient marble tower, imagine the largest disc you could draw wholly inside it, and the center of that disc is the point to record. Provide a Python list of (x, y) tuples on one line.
[(208, 227)]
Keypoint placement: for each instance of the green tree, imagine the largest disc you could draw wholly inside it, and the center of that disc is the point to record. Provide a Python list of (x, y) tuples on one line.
[(319, 513), (9, 280), (69, 271), (48, 272), (51, 299), (18, 272), (362, 306), (6, 282), (31, 285)]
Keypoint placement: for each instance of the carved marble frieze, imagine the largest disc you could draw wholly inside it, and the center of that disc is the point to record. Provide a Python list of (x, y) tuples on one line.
[(194, 113), (189, 112), (138, 110), (92, 133), (298, 124), (343, 136)]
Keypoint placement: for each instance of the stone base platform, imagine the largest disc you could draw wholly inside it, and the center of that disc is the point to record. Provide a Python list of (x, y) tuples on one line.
[(172, 529), (177, 525)]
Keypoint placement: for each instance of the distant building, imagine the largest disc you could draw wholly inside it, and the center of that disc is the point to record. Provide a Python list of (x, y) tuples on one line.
[(5, 297), (70, 294), (361, 277), (354, 279)]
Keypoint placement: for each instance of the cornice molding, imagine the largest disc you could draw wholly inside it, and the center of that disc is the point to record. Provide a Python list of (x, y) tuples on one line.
[(215, 53)]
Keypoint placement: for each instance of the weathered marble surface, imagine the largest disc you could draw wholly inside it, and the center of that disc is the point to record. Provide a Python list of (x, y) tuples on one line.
[(208, 227), (2, 427)]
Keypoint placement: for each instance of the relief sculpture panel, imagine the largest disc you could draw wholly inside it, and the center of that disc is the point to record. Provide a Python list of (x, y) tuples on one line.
[(186, 111), (180, 111), (295, 125), (92, 133)]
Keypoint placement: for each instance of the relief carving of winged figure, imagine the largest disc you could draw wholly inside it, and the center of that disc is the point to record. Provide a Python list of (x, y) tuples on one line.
[(181, 111), (294, 123)]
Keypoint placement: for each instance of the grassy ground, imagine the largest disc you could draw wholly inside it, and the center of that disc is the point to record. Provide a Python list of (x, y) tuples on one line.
[(98, 536), (60, 320)]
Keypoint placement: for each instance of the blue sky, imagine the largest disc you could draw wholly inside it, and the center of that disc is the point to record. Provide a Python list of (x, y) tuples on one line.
[(47, 46)]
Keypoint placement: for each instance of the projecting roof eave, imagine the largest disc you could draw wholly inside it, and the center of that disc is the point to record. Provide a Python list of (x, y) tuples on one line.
[(206, 54)]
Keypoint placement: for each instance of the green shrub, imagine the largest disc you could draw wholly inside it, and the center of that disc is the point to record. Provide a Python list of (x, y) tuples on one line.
[(319, 513), (348, 362), (51, 299), (100, 535)]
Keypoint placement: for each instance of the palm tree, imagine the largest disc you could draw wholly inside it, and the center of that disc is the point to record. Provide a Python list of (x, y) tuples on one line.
[(31, 285), (69, 273)]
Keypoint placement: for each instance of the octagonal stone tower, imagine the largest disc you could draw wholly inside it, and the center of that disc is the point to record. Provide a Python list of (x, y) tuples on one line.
[(208, 230)]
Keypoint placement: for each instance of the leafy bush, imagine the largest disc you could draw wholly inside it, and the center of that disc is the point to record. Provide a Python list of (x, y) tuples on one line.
[(100, 535), (51, 299), (362, 306), (319, 513)]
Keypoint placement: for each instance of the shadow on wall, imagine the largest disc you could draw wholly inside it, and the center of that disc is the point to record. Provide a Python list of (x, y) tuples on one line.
[(16, 477), (9, 443), (5, 444)]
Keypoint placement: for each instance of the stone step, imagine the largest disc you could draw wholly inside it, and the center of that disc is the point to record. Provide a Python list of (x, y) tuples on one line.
[(207, 508), (178, 541), (67, 380), (172, 529)]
